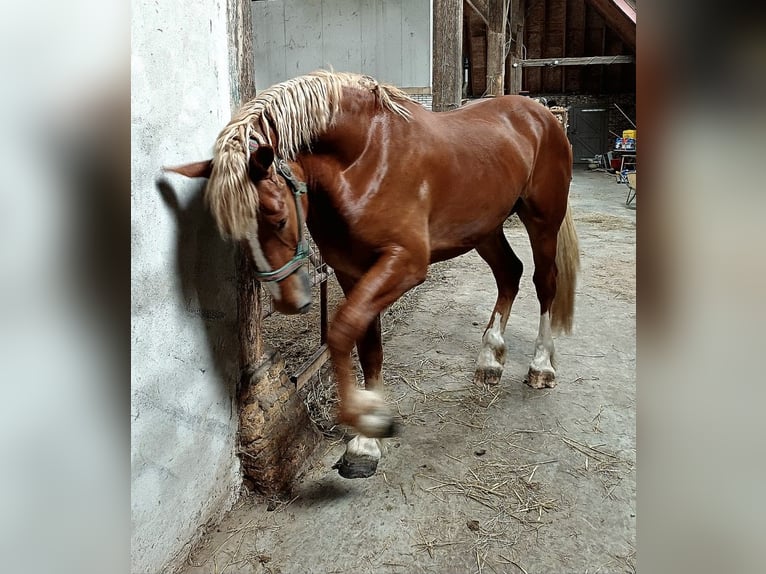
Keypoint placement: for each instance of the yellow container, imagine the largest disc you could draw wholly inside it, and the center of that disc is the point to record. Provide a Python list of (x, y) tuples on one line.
[(629, 134)]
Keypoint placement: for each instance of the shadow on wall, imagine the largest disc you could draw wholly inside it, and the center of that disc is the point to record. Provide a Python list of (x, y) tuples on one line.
[(205, 265)]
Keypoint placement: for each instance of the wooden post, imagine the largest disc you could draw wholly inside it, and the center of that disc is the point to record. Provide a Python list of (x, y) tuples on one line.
[(243, 90), (447, 63), (496, 17), (515, 56)]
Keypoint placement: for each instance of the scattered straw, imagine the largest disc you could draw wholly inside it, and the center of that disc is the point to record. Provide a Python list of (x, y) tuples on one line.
[(606, 222), (321, 401)]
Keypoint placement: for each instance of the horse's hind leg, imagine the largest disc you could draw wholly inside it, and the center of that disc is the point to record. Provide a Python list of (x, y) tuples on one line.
[(543, 239), (507, 269)]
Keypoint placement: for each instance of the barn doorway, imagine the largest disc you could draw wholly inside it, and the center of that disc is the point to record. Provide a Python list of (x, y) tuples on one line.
[(587, 132)]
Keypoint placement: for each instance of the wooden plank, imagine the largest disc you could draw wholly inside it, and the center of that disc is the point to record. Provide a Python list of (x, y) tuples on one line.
[(447, 51), (515, 73), (496, 47), (575, 42), (479, 66), (534, 30), (553, 43), (480, 8), (617, 20), (594, 31), (583, 61), (613, 74)]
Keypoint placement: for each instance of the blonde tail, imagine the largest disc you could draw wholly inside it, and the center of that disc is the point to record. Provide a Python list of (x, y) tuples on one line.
[(568, 264)]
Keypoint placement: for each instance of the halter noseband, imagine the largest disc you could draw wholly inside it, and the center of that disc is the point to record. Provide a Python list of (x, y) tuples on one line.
[(301, 249)]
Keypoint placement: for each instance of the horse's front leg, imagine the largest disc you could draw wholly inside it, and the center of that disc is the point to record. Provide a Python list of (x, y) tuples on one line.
[(360, 460), (363, 453), (396, 270)]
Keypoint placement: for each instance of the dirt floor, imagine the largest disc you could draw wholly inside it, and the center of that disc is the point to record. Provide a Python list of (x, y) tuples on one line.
[(508, 479)]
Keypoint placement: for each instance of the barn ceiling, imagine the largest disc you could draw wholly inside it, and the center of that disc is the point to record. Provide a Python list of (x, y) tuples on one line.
[(620, 16)]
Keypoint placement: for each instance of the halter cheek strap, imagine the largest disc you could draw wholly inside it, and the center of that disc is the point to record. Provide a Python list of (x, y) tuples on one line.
[(298, 188)]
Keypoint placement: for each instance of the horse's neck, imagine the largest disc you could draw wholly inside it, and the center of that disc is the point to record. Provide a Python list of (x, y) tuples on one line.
[(344, 141)]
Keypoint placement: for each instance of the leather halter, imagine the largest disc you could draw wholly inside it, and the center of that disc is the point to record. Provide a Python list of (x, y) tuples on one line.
[(301, 249)]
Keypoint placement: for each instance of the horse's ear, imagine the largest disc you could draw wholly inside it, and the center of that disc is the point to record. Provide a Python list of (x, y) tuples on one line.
[(196, 169), (260, 161)]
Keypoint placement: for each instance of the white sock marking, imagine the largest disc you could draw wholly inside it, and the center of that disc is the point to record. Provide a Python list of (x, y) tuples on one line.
[(492, 354), (543, 346), (376, 419)]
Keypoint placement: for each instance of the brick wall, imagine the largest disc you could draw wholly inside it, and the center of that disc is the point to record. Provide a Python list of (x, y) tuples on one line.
[(616, 121), (276, 436)]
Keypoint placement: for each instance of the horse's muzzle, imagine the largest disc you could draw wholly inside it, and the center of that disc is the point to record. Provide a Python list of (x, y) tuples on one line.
[(295, 294)]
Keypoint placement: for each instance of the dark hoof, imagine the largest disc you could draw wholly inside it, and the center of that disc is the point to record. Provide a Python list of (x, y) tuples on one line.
[(360, 468), (540, 379), (489, 376)]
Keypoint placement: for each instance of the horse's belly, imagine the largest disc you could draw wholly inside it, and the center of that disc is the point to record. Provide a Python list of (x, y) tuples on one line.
[(448, 253)]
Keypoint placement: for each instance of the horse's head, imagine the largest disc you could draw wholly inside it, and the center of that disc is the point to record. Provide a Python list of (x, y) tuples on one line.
[(275, 238), (277, 241)]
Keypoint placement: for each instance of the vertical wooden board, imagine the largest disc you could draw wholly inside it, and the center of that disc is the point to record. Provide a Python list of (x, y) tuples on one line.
[(515, 75), (416, 44), (534, 31), (269, 43), (368, 18), (303, 36), (447, 36), (341, 35), (389, 53), (575, 28), (479, 68), (613, 72), (575, 43), (594, 32), (553, 43)]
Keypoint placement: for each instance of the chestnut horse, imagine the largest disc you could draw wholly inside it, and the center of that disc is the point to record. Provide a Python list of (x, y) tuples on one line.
[(388, 187)]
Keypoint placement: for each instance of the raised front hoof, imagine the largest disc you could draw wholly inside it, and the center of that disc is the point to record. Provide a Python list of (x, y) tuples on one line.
[(488, 376), (540, 379), (349, 467)]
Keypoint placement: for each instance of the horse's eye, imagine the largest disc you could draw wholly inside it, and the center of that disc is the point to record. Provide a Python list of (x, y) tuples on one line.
[(281, 224)]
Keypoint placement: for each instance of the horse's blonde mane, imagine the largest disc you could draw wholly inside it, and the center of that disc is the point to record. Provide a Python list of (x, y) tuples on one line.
[(296, 111)]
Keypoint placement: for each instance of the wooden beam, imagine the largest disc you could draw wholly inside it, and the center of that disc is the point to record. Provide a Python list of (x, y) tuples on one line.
[(248, 288), (447, 54), (554, 32), (496, 47), (575, 42), (618, 20), (584, 61), (516, 24), (534, 29), (480, 7)]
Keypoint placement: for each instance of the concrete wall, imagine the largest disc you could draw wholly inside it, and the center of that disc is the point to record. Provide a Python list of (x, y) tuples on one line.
[(184, 470), (387, 39)]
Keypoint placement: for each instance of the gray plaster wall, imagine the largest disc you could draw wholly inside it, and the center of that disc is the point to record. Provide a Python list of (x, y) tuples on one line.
[(387, 39), (184, 470)]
